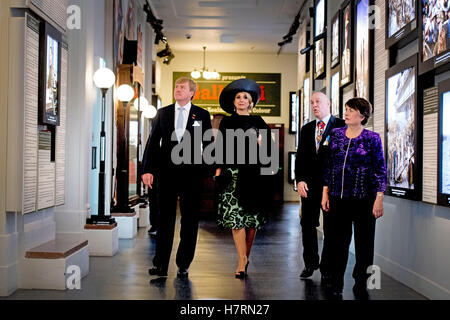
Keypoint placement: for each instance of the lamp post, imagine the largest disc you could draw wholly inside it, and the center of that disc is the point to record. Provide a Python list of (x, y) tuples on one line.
[(125, 94), (104, 79)]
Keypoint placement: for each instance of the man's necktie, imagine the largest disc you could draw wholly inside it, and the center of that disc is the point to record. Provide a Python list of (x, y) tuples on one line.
[(321, 127), (180, 124)]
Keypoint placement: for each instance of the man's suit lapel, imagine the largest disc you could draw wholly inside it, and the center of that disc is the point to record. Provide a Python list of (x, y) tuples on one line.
[(190, 122), (171, 117), (328, 129), (312, 139)]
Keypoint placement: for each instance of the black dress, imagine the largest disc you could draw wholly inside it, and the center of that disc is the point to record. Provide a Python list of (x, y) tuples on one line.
[(239, 197)]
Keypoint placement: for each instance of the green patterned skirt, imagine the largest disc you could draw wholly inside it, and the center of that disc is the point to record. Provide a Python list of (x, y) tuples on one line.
[(230, 214)]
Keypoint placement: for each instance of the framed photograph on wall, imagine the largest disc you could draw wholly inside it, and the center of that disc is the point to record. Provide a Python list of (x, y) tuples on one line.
[(291, 177), (293, 112), (320, 17), (346, 58), (444, 144), (363, 51), (319, 59), (434, 40), (335, 96), (49, 75), (402, 123), (335, 40), (306, 105), (401, 16)]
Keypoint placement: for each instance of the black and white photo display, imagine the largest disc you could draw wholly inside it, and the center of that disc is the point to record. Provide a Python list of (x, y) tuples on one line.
[(401, 108), (319, 59), (445, 150), (320, 18), (444, 143), (362, 71), (400, 13), (335, 40), (306, 101), (335, 98), (294, 110), (50, 74), (51, 92), (346, 47)]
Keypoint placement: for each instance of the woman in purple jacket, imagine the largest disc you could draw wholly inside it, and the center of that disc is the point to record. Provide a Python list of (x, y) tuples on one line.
[(354, 184)]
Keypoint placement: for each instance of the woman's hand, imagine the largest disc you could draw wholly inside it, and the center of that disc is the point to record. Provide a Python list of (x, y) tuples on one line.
[(325, 200), (378, 210), (218, 172)]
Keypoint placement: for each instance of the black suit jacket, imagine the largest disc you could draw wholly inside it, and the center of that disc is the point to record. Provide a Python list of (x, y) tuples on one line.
[(157, 156), (309, 163)]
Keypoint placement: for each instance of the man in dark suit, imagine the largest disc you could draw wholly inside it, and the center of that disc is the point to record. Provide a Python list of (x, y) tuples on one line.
[(174, 152), (308, 173)]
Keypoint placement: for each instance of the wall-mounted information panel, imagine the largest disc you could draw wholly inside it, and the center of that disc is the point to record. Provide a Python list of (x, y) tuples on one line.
[(36, 152)]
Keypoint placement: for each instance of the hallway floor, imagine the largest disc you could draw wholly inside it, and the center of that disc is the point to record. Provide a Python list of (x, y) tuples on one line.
[(275, 265)]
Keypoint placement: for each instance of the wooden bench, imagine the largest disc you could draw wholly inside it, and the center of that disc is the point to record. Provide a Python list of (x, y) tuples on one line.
[(103, 239), (45, 266), (127, 223)]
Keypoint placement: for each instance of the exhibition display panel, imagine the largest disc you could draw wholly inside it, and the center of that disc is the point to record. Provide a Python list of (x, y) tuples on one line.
[(363, 51), (346, 58), (444, 144), (434, 40), (335, 40), (403, 154), (401, 22)]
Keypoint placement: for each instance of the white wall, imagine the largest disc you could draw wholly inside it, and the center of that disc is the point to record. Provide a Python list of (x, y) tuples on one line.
[(286, 64), (84, 45), (8, 236)]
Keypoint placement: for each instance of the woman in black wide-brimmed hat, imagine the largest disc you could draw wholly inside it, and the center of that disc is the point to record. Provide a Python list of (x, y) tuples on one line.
[(240, 207)]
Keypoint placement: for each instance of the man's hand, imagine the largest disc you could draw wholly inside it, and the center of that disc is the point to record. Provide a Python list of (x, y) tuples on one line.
[(147, 179), (302, 189)]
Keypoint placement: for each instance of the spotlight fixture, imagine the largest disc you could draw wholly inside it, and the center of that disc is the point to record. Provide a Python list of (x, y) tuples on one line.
[(165, 52), (292, 31), (286, 41), (168, 59), (157, 24)]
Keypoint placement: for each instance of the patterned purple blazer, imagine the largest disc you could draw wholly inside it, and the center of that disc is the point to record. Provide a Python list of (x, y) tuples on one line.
[(355, 168)]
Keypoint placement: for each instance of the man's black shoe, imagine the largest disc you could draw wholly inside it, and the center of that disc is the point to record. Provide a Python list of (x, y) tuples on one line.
[(307, 272), (336, 295), (182, 273), (360, 291), (326, 280), (152, 231), (157, 272)]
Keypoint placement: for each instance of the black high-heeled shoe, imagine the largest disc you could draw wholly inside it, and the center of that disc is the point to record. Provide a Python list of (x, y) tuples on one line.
[(240, 275), (246, 266)]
